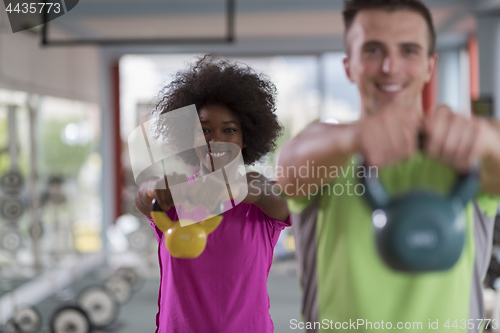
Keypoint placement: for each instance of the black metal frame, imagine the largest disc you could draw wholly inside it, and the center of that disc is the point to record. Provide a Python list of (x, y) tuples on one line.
[(230, 16)]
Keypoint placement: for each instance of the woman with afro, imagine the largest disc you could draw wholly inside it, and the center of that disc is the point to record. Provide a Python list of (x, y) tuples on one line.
[(225, 288)]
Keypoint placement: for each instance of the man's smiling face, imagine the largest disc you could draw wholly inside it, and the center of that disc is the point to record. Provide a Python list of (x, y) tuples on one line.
[(388, 59)]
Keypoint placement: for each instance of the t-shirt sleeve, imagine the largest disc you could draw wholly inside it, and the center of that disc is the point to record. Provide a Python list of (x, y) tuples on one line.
[(280, 224), (298, 204), (488, 203)]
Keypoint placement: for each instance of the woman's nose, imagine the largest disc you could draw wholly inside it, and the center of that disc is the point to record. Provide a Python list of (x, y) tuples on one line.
[(216, 138)]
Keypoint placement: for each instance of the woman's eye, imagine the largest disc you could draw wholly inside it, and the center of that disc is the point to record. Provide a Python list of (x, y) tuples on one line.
[(205, 130), (230, 130)]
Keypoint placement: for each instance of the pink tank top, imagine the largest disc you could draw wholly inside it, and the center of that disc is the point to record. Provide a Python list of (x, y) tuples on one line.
[(224, 290)]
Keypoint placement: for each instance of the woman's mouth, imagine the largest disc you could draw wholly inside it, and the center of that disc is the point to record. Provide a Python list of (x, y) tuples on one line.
[(218, 154)]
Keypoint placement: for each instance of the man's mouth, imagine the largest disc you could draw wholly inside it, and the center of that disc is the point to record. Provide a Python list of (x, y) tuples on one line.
[(390, 88), (218, 154)]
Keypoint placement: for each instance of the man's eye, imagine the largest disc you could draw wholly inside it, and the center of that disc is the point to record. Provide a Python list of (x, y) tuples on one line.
[(373, 50), (205, 130), (410, 51)]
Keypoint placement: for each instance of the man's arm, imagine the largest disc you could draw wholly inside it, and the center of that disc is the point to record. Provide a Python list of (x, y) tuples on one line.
[(324, 144), (383, 139), (461, 142), (490, 172)]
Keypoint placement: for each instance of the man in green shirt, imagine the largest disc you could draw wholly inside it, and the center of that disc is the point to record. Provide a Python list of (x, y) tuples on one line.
[(391, 55)]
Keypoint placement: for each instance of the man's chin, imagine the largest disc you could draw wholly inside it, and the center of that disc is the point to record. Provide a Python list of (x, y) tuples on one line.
[(394, 105)]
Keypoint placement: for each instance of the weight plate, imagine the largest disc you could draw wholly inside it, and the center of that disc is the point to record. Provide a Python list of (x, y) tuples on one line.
[(27, 320), (10, 240), (131, 275), (120, 287), (140, 240), (70, 319), (11, 182), (100, 305), (11, 208)]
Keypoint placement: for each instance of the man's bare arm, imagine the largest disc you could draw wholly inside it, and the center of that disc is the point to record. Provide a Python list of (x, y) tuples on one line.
[(383, 139), (490, 173), (325, 144)]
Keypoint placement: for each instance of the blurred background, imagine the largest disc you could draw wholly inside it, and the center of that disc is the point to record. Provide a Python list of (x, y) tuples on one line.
[(72, 90)]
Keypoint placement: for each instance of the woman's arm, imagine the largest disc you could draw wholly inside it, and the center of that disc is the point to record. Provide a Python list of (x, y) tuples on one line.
[(261, 194)]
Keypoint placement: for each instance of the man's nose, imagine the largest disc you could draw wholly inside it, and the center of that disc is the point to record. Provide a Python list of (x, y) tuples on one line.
[(390, 64)]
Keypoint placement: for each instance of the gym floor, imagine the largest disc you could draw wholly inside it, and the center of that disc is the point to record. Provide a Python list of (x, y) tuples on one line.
[(138, 315)]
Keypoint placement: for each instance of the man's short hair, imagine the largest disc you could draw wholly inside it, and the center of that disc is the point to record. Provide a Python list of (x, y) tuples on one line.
[(353, 7)]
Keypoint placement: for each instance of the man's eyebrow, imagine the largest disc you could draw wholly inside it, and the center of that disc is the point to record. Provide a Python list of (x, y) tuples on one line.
[(418, 46), (379, 43), (373, 43)]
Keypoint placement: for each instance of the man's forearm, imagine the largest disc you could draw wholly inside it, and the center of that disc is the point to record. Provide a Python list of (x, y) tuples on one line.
[(490, 175), (320, 146)]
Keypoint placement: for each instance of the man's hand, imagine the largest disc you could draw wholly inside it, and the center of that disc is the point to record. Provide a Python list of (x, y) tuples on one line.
[(388, 137), (461, 142), (455, 139)]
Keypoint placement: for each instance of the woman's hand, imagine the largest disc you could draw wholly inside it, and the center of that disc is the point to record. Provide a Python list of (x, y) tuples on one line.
[(158, 188)]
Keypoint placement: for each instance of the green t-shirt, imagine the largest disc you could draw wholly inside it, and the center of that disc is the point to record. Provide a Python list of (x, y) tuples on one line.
[(345, 281)]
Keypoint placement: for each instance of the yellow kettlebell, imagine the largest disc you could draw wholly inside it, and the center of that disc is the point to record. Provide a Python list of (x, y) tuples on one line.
[(184, 242)]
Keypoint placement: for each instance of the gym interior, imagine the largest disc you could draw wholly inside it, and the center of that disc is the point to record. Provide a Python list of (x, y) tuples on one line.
[(72, 90)]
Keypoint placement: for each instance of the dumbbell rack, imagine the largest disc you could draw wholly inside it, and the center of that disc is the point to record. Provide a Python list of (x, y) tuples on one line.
[(11, 188), (48, 283)]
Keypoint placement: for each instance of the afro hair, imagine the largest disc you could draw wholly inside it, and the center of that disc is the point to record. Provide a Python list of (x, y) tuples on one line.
[(249, 95)]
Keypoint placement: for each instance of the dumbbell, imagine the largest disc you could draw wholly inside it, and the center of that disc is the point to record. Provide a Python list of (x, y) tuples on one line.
[(24, 320), (11, 208), (11, 182), (100, 305), (70, 319), (10, 239), (120, 287), (132, 276), (140, 240)]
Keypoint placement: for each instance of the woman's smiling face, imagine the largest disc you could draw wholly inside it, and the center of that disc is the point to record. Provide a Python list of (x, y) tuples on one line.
[(223, 134)]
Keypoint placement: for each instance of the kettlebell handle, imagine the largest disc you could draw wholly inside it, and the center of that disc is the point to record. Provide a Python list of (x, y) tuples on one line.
[(465, 188), (155, 207)]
